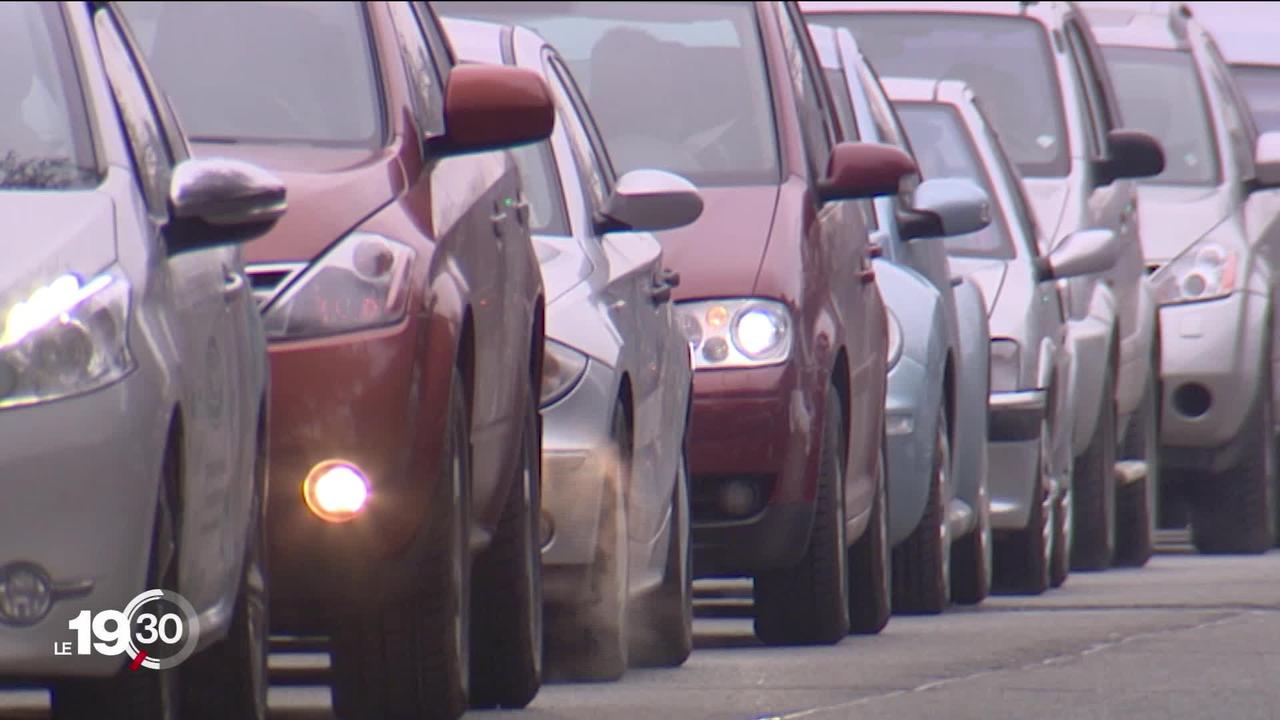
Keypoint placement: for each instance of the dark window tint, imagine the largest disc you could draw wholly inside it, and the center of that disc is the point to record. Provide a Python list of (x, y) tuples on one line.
[(1160, 93), (541, 187), (1004, 59), (44, 135), (1261, 87), (675, 86), (944, 149), (264, 71)]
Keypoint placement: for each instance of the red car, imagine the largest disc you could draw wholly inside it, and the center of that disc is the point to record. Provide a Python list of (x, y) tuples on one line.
[(404, 309), (779, 301)]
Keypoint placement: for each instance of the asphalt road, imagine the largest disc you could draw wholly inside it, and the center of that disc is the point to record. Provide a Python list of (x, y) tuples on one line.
[(1187, 637)]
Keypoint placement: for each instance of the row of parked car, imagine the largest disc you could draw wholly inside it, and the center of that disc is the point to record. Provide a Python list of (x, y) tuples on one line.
[(469, 334)]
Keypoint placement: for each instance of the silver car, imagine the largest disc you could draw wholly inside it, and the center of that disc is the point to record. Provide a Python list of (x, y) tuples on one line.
[(1246, 37), (617, 382), (936, 402), (132, 381), (1045, 87), (1210, 224), (1031, 364)]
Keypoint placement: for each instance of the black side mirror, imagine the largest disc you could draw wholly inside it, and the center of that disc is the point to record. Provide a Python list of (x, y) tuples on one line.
[(1131, 154)]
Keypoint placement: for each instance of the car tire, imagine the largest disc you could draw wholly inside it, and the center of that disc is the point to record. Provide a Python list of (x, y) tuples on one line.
[(411, 658), (1136, 502), (661, 623), (1234, 511), (1093, 489), (922, 562), (142, 695), (1023, 557), (972, 557), (870, 564), (587, 640), (506, 647), (808, 603)]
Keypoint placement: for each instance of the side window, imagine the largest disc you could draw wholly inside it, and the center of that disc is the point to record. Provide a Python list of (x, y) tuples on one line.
[(1086, 83), (152, 159), (815, 118), (426, 91), (436, 41), (593, 177), (1235, 113), (541, 186)]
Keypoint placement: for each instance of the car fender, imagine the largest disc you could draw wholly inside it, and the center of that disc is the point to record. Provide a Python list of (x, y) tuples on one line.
[(973, 393), (1090, 340)]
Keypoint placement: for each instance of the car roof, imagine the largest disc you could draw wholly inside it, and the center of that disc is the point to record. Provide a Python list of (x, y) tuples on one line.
[(1049, 12), (1160, 26)]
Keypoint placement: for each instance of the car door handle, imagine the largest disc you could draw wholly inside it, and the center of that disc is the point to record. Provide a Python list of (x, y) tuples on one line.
[(522, 212), (660, 293), (875, 250), (867, 276), (232, 283), (668, 277)]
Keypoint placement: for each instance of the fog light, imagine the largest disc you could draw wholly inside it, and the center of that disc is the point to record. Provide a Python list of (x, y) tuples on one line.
[(335, 490), (737, 498), (1192, 400)]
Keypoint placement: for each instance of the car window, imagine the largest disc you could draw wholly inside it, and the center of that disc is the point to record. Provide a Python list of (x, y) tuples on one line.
[(436, 39), (1006, 173), (44, 131), (593, 179), (843, 103), (1261, 87), (1088, 85), (265, 72), (1147, 80), (674, 86), (152, 160), (541, 186), (945, 149), (1005, 58), (426, 89), (815, 120)]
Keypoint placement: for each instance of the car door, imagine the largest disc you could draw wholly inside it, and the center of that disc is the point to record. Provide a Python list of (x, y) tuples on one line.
[(198, 328)]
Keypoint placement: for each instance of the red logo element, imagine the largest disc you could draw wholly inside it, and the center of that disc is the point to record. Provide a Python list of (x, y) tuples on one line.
[(137, 662)]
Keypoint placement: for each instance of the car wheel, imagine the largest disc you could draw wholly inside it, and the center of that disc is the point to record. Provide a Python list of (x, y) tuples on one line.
[(972, 558), (229, 679), (870, 562), (661, 623), (506, 648), (1093, 489), (144, 694), (1136, 501), (410, 659), (587, 640), (1023, 557), (1234, 511), (808, 604), (922, 562)]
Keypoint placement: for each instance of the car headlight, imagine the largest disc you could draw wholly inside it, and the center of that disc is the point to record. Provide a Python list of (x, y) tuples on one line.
[(895, 338), (1006, 365), (562, 368), (362, 282), (746, 332), (1205, 271), (66, 338)]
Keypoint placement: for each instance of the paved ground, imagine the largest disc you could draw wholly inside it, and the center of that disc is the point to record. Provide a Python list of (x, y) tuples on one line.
[(1188, 637)]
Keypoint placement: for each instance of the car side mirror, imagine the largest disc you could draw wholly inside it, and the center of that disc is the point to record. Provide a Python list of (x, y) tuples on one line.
[(859, 170), (1266, 161), (492, 107), (945, 207), (219, 201), (1131, 154), (648, 201), (1083, 252)]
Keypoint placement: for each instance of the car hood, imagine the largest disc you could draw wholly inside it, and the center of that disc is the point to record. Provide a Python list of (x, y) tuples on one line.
[(564, 266), (1173, 217), (988, 274), (719, 255), (1048, 198), (50, 234), (330, 191)]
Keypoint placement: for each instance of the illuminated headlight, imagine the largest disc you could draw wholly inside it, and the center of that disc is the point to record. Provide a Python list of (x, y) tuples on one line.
[(1205, 271), (895, 338), (562, 367), (362, 282), (744, 332), (335, 491), (64, 339), (1006, 365)]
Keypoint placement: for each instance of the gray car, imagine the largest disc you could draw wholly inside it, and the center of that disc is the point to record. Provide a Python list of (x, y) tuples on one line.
[(936, 401), (1045, 88), (133, 379), (617, 382), (1031, 363), (1211, 224), (1247, 39)]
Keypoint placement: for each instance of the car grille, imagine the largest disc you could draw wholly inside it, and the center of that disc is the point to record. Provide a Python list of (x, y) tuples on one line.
[(269, 279)]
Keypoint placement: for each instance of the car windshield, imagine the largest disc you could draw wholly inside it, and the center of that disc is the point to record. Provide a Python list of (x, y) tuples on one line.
[(1148, 82), (264, 71), (944, 149), (44, 134), (1261, 87), (675, 86), (1006, 60)]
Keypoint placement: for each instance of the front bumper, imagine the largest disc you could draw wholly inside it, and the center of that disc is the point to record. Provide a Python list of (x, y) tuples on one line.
[(1014, 455), (761, 424), (80, 477), (1214, 350)]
